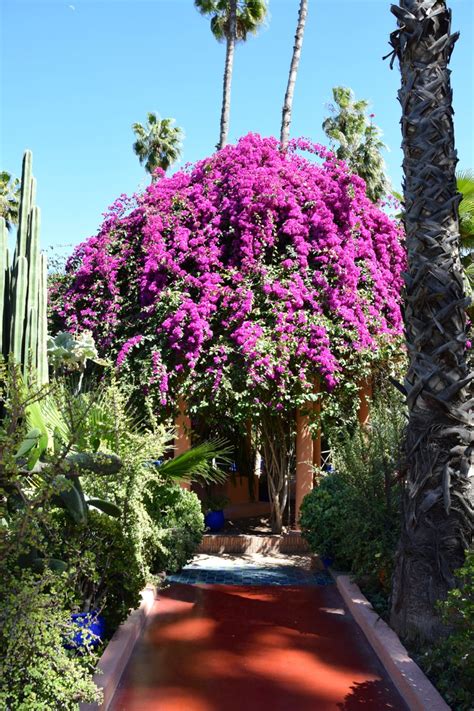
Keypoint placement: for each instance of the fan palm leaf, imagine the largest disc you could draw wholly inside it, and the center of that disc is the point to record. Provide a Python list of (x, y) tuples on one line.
[(204, 461), (158, 144)]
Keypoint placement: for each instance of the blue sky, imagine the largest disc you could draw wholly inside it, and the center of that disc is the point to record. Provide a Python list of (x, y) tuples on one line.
[(75, 74)]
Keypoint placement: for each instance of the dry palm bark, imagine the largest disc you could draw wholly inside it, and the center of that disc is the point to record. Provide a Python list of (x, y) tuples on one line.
[(295, 61), (227, 82), (438, 501)]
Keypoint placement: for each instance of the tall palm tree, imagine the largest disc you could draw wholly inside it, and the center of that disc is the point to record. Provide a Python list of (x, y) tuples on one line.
[(359, 139), (295, 61), (9, 198), (231, 22), (158, 144), (438, 500)]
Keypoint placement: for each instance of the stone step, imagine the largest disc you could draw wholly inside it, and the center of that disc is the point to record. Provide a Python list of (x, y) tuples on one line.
[(241, 543)]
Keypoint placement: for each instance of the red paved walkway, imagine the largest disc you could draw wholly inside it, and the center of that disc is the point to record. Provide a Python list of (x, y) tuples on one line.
[(228, 648)]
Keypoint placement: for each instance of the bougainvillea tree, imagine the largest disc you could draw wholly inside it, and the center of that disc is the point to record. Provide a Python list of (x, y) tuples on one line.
[(241, 281)]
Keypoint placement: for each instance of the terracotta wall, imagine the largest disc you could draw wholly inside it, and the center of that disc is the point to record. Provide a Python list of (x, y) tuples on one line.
[(237, 490)]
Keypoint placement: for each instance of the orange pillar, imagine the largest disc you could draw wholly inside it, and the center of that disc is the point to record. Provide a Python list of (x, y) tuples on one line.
[(317, 461), (304, 460), (182, 441), (365, 395)]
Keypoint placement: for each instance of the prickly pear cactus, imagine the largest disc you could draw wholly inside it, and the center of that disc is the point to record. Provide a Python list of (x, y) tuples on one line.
[(23, 285)]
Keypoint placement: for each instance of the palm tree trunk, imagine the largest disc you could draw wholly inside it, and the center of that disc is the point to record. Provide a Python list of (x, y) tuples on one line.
[(290, 89), (229, 66), (438, 500)]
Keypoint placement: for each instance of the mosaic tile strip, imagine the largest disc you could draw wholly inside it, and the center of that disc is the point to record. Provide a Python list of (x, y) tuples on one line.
[(250, 575)]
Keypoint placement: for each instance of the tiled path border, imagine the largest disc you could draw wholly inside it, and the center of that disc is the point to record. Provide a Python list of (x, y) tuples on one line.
[(245, 575), (418, 692)]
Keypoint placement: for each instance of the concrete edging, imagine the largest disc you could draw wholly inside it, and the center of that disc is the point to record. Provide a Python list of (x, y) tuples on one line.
[(415, 688), (118, 651)]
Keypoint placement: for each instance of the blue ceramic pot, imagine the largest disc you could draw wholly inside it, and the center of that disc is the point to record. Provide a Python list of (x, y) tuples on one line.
[(214, 520), (90, 629), (327, 561)]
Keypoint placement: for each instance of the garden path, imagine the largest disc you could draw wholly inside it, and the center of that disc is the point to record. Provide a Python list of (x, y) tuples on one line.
[(254, 633)]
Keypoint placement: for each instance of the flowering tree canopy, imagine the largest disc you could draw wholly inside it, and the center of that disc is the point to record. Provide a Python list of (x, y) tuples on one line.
[(242, 279)]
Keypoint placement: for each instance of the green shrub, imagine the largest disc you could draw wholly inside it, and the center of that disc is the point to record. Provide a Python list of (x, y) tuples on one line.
[(450, 664), (37, 673), (177, 525), (163, 523), (353, 515), (322, 518), (105, 573)]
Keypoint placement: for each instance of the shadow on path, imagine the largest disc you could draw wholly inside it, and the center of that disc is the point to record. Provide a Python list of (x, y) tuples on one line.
[(229, 648)]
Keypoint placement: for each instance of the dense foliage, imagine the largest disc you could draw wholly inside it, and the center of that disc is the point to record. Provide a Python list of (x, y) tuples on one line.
[(176, 525), (353, 515), (162, 522), (36, 588), (455, 680), (37, 672), (358, 140), (9, 198), (76, 536), (241, 279), (104, 568)]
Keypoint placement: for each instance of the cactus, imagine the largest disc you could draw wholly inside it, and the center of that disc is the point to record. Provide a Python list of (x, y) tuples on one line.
[(23, 285), (4, 278)]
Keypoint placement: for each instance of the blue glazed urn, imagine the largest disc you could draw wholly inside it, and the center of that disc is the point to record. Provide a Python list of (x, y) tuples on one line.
[(214, 520), (90, 630)]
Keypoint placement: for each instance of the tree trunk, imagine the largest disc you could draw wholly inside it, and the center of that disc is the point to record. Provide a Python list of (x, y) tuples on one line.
[(229, 65), (278, 451), (438, 500), (290, 89)]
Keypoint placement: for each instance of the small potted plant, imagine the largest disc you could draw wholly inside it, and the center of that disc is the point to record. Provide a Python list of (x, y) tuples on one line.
[(213, 508)]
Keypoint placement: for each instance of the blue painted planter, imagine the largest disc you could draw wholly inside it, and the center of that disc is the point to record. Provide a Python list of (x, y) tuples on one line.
[(90, 629), (327, 561), (214, 520)]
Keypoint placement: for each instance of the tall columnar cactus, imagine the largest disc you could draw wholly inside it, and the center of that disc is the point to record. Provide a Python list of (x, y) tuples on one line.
[(23, 285)]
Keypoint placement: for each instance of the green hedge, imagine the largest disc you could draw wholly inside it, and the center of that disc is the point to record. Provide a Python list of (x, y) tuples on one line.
[(450, 663), (37, 673), (177, 526), (354, 513)]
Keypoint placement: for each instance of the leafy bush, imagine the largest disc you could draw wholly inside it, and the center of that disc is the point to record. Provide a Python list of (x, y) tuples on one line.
[(455, 680), (37, 673), (323, 518), (105, 574), (163, 523), (177, 525), (353, 515), (44, 522), (58, 553)]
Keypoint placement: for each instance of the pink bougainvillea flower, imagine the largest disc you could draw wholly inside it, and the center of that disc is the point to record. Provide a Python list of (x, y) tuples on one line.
[(253, 270)]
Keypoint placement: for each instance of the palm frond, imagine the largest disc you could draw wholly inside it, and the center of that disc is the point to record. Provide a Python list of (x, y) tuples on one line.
[(204, 461), (465, 182), (205, 7), (159, 144)]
